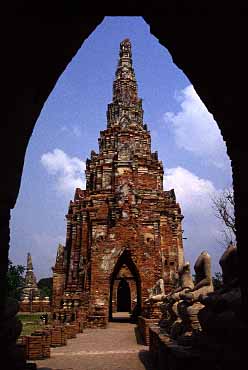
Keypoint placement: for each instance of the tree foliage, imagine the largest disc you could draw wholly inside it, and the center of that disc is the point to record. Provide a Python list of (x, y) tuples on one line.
[(15, 280), (217, 280), (45, 286)]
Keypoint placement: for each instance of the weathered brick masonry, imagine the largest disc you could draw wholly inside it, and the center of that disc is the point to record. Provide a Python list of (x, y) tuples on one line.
[(123, 232)]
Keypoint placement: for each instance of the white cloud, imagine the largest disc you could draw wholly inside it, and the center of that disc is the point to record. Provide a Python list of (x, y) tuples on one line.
[(190, 189), (195, 129), (201, 227), (74, 130), (68, 171)]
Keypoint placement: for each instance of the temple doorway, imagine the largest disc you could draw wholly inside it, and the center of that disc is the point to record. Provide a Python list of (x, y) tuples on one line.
[(125, 290), (123, 296)]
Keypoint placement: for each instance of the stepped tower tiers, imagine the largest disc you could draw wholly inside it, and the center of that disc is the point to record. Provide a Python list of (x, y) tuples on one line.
[(123, 232), (31, 297), (30, 290)]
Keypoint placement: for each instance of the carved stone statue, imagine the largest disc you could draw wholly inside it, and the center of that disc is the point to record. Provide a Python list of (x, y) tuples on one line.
[(203, 278), (229, 266), (222, 306), (185, 282), (189, 306), (156, 292), (171, 321), (60, 254)]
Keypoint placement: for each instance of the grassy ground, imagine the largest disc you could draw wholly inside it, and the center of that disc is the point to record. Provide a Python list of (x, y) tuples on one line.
[(30, 322)]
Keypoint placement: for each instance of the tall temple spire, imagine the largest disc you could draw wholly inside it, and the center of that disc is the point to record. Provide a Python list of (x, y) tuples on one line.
[(29, 263), (126, 107), (123, 225), (30, 284), (125, 85)]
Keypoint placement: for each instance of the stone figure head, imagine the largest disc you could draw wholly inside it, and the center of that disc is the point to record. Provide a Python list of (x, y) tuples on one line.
[(60, 253), (184, 268), (229, 263), (202, 266)]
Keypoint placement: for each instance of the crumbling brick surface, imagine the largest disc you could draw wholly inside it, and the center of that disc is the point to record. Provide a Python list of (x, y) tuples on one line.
[(37, 346), (124, 225), (144, 325)]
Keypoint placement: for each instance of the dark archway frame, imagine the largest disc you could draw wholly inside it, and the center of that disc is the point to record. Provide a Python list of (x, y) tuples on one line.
[(126, 259), (39, 43)]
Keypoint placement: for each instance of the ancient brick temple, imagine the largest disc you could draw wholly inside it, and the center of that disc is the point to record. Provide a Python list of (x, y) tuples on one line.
[(123, 232), (30, 285), (31, 300)]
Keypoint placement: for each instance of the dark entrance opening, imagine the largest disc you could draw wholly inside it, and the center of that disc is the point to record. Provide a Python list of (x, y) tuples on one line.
[(123, 296), (125, 291)]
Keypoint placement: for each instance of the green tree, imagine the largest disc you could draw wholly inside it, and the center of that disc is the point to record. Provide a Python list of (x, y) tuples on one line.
[(45, 286), (217, 280), (15, 280)]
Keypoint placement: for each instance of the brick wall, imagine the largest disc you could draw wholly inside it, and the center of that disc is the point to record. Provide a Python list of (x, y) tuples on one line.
[(35, 306), (123, 212), (37, 346), (144, 325)]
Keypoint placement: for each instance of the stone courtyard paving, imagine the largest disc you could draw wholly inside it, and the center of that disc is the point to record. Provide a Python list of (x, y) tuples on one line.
[(118, 347)]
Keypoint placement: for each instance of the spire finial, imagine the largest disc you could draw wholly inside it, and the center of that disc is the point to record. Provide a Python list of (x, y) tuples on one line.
[(126, 109), (125, 85), (29, 262), (125, 49)]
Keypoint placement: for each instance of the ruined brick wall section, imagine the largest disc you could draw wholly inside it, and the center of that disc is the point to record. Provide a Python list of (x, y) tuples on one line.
[(171, 246), (58, 277), (179, 237), (133, 291), (36, 306), (73, 253), (58, 289), (114, 295), (143, 242), (124, 154), (148, 226), (123, 216)]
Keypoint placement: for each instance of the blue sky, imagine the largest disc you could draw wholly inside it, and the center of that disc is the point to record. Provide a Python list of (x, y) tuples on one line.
[(183, 132)]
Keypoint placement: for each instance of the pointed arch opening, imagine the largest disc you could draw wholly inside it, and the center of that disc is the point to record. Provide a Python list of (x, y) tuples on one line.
[(123, 296), (125, 288)]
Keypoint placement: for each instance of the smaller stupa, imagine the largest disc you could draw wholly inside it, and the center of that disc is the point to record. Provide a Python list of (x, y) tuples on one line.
[(30, 290)]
